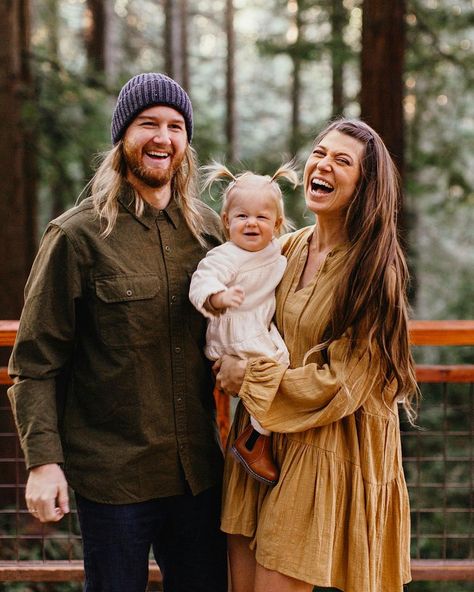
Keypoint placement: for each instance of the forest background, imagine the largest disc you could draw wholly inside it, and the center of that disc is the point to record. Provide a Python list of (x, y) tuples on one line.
[(264, 77)]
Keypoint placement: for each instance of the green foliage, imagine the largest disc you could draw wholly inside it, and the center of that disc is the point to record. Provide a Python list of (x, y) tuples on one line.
[(438, 467), (71, 120), (71, 117), (439, 80)]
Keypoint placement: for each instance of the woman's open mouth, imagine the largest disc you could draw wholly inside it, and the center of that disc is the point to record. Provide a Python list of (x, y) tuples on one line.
[(321, 186)]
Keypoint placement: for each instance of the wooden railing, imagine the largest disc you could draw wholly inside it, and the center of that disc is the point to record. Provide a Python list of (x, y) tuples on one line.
[(443, 333), (422, 333)]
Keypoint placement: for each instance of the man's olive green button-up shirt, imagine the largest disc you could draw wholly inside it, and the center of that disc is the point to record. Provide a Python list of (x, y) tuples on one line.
[(112, 381)]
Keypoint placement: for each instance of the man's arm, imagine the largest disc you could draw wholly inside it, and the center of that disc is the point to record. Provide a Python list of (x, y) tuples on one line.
[(42, 350)]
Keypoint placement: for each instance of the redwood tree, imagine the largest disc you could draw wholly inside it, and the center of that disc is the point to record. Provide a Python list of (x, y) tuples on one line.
[(383, 52), (230, 124), (176, 41), (95, 35), (339, 53), (17, 157), (383, 49)]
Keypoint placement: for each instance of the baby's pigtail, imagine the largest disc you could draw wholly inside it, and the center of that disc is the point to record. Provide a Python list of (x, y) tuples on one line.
[(214, 172), (287, 171)]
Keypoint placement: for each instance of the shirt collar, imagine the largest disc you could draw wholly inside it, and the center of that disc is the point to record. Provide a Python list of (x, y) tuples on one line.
[(150, 214)]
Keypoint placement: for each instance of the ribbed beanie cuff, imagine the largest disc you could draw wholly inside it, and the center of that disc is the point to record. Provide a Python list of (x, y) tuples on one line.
[(144, 91)]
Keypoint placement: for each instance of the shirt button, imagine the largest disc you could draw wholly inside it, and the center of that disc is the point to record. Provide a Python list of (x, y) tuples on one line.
[(180, 399), (181, 446), (129, 292), (167, 249), (177, 350), (173, 298)]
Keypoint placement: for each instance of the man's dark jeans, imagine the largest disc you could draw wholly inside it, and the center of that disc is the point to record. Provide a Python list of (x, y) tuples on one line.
[(183, 532)]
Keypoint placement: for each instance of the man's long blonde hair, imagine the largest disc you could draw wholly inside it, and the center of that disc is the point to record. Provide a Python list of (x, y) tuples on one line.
[(108, 181)]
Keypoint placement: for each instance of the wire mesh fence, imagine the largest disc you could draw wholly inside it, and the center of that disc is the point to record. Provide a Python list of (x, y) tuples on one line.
[(439, 467)]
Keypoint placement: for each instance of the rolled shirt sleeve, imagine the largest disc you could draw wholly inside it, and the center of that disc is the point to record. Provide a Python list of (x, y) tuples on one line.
[(43, 346)]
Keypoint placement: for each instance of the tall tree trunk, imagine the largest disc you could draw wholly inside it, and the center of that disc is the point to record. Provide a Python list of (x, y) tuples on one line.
[(94, 36), (169, 36), (55, 186), (17, 157), (114, 51), (295, 54), (230, 126), (176, 40), (184, 44), (53, 28), (383, 49), (338, 16), (295, 105), (95, 40)]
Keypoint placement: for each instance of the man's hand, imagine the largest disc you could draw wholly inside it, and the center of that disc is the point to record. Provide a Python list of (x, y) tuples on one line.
[(230, 298), (46, 495)]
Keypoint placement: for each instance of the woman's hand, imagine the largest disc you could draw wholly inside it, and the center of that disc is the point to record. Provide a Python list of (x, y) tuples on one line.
[(230, 372)]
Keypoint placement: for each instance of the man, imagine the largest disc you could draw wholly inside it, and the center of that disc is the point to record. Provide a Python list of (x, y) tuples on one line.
[(112, 391)]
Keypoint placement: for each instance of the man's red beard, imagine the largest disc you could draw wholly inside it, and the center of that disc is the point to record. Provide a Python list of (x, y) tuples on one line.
[(148, 175)]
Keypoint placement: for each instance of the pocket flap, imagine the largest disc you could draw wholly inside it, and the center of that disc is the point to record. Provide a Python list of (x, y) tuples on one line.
[(127, 288)]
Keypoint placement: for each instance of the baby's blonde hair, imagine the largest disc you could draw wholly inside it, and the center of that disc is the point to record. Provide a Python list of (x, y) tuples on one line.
[(217, 171)]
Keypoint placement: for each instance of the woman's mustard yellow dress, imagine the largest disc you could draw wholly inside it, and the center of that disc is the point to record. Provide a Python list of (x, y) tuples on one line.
[(339, 515)]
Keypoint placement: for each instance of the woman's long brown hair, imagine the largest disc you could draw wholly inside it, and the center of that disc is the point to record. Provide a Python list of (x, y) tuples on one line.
[(371, 297)]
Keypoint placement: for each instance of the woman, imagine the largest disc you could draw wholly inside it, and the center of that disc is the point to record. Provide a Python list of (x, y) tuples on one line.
[(339, 516)]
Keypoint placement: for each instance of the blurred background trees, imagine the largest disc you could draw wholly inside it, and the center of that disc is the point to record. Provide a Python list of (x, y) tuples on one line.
[(264, 77)]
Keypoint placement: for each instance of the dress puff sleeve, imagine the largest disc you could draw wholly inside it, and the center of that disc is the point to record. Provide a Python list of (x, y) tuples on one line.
[(298, 399)]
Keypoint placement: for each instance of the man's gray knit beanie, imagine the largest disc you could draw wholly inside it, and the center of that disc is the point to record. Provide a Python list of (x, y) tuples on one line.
[(146, 90)]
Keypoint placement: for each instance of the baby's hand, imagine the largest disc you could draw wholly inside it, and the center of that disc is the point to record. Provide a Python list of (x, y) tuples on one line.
[(230, 298)]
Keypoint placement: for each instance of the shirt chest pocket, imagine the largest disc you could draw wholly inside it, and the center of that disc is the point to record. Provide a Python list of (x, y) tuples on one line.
[(128, 309)]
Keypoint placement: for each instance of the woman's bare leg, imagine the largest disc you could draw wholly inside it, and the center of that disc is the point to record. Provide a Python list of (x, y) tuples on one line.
[(242, 563), (267, 580)]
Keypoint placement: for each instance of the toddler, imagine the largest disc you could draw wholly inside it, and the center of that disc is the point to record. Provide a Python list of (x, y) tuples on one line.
[(234, 287)]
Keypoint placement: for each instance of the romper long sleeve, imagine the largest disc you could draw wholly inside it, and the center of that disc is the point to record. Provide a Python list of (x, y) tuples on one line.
[(246, 331), (339, 515)]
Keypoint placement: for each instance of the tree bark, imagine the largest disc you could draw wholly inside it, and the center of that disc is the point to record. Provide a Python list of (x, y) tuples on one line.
[(185, 81), (338, 18), (17, 157), (55, 186), (230, 126), (94, 35), (176, 40), (383, 49), (296, 58)]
